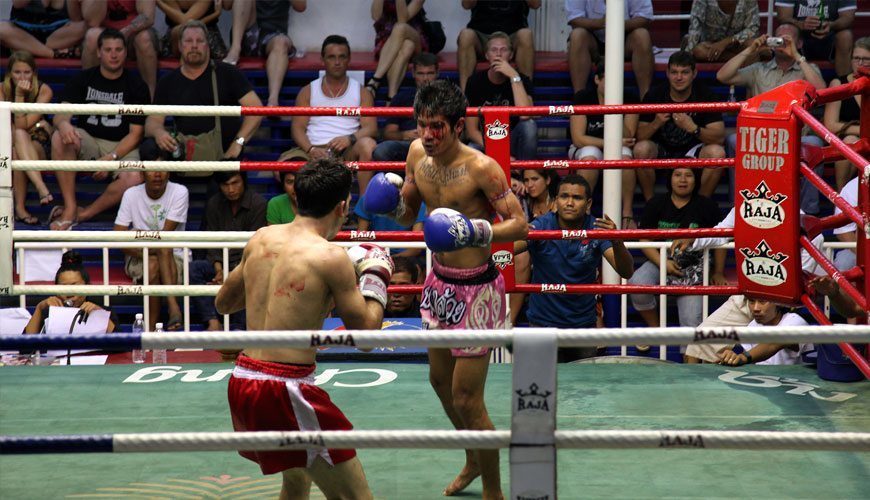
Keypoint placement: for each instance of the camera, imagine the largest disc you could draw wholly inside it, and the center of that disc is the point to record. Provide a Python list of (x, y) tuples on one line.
[(775, 41)]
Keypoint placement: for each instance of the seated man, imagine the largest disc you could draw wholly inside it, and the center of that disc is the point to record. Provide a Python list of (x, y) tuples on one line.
[(260, 30), (786, 66), (99, 137), (766, 313), (586, 41), (234, 208), (502, 85), (680, 135), (510, 17), (400, 131), (570, 261), (349, 137), (404, 305), (827, 36), (156, 205), (282, 208), (191, 84), (135, 21)]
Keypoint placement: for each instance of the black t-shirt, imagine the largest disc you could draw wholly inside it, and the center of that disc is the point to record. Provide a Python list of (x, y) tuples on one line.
[(91, 87), (177, 89), (499, 15), (404, 99), (480, 91), (670, 135), (660, 213), (595, 123)]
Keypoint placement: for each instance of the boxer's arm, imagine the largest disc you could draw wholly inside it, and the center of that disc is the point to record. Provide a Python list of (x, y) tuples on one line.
[(410, 193), (231, 296), (356, 312), (492, 182)]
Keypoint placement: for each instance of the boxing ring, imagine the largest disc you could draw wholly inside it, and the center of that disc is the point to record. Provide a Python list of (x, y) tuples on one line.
[(837, 430)]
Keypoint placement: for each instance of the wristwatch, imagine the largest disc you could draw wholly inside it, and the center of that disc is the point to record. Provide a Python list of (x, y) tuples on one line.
[(801, 59), (516, 79), (352, 139), (114, 155), (240, 141)]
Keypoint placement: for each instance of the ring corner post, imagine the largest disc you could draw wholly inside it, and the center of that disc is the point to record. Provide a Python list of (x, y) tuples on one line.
[(767, 194), (7, 220), (533, 415)]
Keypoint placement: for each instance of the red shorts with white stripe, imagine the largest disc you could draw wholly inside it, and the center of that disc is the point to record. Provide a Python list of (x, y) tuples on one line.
[(266, 396)]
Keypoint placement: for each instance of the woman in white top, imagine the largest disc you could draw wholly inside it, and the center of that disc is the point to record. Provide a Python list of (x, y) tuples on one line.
[(766, 313)]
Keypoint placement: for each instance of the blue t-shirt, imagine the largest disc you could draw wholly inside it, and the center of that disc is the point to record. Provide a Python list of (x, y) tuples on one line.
[(404, 99), (564, 261), (381, 223)]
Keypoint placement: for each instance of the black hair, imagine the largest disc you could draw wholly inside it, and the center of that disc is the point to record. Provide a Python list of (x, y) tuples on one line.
[(682, 58), (406, 265), (695, 174), (441, 98), (579, 180), (282, 175), (321, 185), (599, 70), (222, 176), (109, 34), (72, 261), (334, 39), (425, 59)]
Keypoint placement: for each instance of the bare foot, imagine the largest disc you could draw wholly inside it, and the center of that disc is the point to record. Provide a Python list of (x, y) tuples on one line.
[(469, 473)]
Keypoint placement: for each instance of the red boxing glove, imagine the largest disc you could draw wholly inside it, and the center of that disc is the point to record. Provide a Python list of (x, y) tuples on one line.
[(374, 267)]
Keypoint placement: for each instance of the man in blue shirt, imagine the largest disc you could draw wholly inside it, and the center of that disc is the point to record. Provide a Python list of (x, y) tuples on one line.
[(571, 261)]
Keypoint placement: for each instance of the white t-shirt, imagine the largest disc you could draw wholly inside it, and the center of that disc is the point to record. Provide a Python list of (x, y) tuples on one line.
[(808, 263), (596, 9), (785, 356), (322, 129), (849, 193), (138, 211)]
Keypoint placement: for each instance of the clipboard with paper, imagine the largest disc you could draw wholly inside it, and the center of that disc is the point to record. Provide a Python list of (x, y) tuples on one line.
[(70, 320)]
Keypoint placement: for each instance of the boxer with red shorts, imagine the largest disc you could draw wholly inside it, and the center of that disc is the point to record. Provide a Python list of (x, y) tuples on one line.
[(294, 276)]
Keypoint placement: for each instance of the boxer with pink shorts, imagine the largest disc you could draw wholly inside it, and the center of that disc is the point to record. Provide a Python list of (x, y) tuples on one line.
[(455, 299), (266, 396)]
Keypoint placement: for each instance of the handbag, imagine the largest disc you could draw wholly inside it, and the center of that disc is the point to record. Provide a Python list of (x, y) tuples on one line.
[(434, 33), (207, 146)]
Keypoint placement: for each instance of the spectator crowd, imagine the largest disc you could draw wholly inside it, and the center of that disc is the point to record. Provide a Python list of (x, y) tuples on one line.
[(105, 35)]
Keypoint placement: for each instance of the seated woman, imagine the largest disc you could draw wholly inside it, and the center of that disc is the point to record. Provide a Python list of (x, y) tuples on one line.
[(766, 313), (49, 29), (179, 12), (587, 140), (398, 36), (70, 272), (31, 137), (719, 29), (843, 117), (681, 207)]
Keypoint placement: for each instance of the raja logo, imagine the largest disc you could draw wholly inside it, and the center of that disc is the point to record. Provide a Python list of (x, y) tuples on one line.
[(574, 234), (553, 288), (562, 110), (497, 130), (533, 399), (761, 208), (503, 259), (362, 235), (762, 266), (555, 163)]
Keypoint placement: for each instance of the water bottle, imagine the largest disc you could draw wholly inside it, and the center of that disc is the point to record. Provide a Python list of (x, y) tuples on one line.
[(178, 152), (139, 328), (731, 97), (158, 356)]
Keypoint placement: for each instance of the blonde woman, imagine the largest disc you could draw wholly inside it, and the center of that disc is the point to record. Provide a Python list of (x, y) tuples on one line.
[(31, 139)]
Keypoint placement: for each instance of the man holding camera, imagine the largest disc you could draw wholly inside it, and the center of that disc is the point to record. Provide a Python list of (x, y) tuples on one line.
[(786, 66)]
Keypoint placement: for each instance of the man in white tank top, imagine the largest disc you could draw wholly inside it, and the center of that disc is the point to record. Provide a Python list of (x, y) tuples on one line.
[(349, 137)]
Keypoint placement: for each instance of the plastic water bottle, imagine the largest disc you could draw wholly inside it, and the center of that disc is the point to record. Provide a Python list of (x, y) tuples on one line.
[(731, 97), (158, 356), (139, 328)]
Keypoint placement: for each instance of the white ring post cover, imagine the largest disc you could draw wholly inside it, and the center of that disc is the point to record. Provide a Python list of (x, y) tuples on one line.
[(533, 416), (6, 210)]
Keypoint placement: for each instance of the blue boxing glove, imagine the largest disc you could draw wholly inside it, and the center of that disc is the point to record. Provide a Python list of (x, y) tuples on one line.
[(383, 195), (446, 230)]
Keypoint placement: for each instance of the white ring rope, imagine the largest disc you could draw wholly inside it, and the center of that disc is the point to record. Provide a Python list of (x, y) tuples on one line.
[(465, 439), (123, 109), (483, 338), (124, 165)]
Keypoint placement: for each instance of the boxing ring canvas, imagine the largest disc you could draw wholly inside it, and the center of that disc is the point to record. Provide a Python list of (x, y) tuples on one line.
[(148, 398)]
